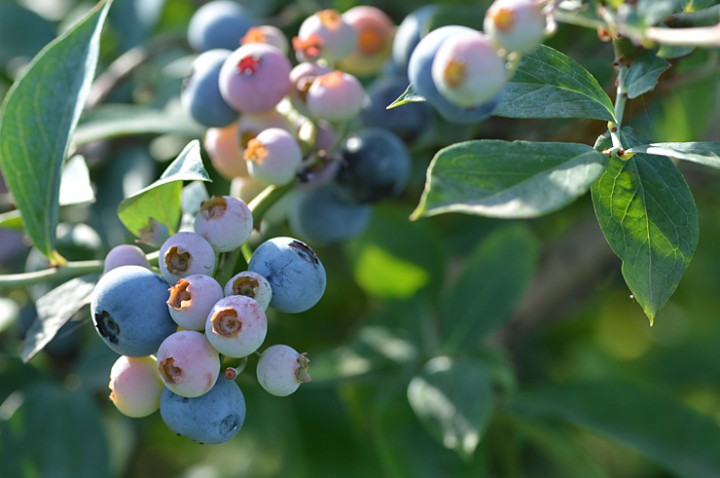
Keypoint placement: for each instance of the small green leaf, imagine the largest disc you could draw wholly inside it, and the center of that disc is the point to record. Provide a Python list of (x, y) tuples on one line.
[(54, 310), (408, 96), (516, 179), (706, 153), (53, 432), (155, 210), (480, 302), (643, 74), (453, 399), (113, 121), (37, 119), (660, 427), (648, 216), (549, 84)]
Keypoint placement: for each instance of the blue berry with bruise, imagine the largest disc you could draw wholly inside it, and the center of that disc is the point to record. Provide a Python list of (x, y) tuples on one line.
[(129, 310), (296, 275), (212, 418)]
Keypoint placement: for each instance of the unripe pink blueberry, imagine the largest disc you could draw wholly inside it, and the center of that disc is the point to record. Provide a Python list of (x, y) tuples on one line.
[(191, 300), (301, 77), (184, 254), (250, 284), (125, 255), (225, 221), (135, 386), (335, 96), (268, 34), (467, 69), (188, 364), (515, 25), (223, 148), (250, 125), (324, 35), (273, 156), (254, 78), (375, 32), (281, 370), (236, 326)]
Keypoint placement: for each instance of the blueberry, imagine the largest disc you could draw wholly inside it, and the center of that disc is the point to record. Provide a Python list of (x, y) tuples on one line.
[(212, 418), (187, 363), (409, 121), (409, 33), (321, 215), (225, 221), (135, 386), (254, 78), (125, 255), (281, 370), (218, 24), (250, 284), (184, 254), (515, 25), (200, 96), (335, 96), (375, 32), (191, 300), (223, 148), (295, 273), (420, 75), (273, 157), (324, 35), (236, 326), (375, 164), (268, 34), (129, 310)]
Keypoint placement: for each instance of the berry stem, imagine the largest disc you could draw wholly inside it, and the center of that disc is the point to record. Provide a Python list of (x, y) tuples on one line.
[(265, 200), (68, 271), (620, 98)]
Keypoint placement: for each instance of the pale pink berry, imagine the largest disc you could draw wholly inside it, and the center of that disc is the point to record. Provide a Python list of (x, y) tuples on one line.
[(135, 386), (236, 326), (191, 299), (225, 221), (250, 284), (281, 370), (188, 364)]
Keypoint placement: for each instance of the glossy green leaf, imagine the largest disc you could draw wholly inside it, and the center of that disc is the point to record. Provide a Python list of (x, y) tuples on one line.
[(706, 153), (54, 310), (504, 179), (643, 74), (53, 432), (648, 216), (155, 211), (660, 427), (113, 121), (480, 302), (550, 84), (37, 119), (408, 96), (454, 400)]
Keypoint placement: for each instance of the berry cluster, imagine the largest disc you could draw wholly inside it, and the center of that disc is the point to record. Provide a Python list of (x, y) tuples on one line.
[(305, 120), (173, 339)]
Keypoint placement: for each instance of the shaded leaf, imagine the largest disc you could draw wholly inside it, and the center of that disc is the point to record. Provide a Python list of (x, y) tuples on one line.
[(516, 179), (643, 74), (37, 119), (648, 216), (453, 399), (22, 32), (706, 153), (660, 427), (155, 211), (480, 302), (408, 96), (549, 84), (54, 310)]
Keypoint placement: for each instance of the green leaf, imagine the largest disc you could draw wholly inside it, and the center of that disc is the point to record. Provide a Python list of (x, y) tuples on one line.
[(114, 121), (648, 216), (37, 119), (643, 74), (55, 433), (660, 427), (54, 310), (22, 33), (453, 399), (706, 153), (11, 220), (549, 84), (408, 96), (504, 179), (480, 302), (155, 211)]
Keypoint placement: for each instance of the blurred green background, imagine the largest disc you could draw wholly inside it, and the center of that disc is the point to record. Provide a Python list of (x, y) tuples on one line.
[(447, 347)]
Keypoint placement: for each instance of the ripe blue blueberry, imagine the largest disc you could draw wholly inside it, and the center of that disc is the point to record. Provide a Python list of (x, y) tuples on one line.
[(281, 370), (218, 24), (212, 418), (129, 311), (409, 33), (375, 165), (321, 215), (409, 122), (200, 96), (295, 273)]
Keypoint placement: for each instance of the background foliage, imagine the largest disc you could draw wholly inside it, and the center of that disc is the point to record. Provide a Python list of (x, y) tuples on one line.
[(452, 345)]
